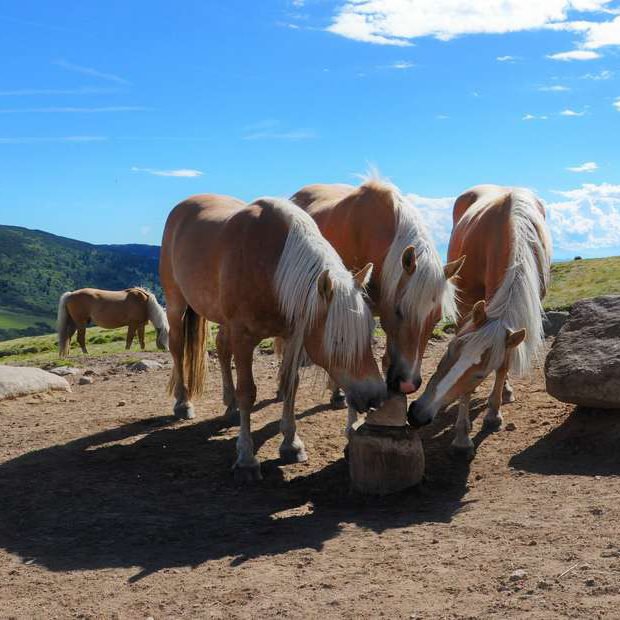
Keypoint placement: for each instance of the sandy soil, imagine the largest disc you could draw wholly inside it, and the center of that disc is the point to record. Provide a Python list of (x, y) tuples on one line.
[(111, 511)]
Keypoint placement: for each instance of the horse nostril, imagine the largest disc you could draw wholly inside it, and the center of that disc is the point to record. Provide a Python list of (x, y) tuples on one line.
[(417, 383)]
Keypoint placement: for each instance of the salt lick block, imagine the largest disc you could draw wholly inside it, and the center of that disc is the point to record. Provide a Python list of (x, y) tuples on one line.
[(385, 454)]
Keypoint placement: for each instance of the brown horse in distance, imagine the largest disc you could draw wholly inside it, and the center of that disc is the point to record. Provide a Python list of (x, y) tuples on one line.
[(133, 307), (262, 270), (503, 233)]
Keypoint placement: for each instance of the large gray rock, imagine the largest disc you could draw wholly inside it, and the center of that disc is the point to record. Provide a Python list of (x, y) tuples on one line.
[(554, 321), (19, 381), (583, 366), (144, 366)]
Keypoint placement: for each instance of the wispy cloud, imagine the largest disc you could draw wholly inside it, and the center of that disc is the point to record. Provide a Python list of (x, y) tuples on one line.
[(617, 104), (109, 77), (507, 58), (271, 129), (186, 173), (70, 110), (52, 139), (555, 88), (34, 92), (605, 74), (574, 55), (533, 117), (589, 166), (401, 64), (569, 112)]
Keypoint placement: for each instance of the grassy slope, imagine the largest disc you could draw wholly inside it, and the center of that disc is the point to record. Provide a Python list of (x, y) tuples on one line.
[(570, 281), (10, 319)]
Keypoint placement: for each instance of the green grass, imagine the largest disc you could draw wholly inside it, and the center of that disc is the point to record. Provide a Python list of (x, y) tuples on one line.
[(579, 279), (570, 281), (10, 319)]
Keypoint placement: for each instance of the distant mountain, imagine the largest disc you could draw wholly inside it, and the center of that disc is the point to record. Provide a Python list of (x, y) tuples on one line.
[(36, 267)]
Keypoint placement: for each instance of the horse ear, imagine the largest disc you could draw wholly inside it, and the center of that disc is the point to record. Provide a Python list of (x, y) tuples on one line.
[(408, 260), (362, 277), (452, 269), (325, 286), (514, 339), (479, 313)]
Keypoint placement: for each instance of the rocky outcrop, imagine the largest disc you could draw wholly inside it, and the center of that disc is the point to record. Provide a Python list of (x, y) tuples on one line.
[(583, 366), (554, 321), (19, 381)]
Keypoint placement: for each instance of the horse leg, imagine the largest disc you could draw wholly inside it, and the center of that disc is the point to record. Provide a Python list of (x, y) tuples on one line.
[(183, 408), (247, 466), (224, 354), (141, 336), (292, 449), (508, 393), (351, 420), (462, 445), (81, 338), (131, 330), (493, 418), (337, 400)]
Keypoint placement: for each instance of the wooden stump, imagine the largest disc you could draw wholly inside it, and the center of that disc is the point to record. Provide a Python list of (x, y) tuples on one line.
[(385, 454)]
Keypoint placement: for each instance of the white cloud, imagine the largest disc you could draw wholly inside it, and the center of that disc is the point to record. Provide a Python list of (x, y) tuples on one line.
[(271, 129), (109, 77), (33, 92), (397, 22), (569, 112), (51, 140), (605, 74), (437, 214), (575, 55), (533, 117), (587, 219), (401, 64), (186, 173), (589, 166), (617, 104), (507, 59), (556, 88)]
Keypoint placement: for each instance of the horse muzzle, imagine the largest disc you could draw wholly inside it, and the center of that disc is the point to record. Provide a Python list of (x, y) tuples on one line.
[(418, 415)]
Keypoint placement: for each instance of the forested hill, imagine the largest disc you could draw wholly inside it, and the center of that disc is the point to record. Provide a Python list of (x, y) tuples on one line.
[(36, 267)]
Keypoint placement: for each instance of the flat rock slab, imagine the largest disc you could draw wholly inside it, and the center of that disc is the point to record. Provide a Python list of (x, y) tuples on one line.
[(583, 366), (144, 366), (65, 371), (19, 381)]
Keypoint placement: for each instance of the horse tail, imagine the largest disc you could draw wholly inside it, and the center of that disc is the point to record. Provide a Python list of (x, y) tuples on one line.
[(194, 366), (64, 326)]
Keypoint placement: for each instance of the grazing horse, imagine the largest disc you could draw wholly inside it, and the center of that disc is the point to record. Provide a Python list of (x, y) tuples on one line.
[(262, 270), (410, 289), (503, 233), (133, 307)]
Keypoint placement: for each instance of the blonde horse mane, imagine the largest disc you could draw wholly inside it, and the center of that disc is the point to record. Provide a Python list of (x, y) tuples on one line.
[(305, 256), (517, 303), (62, 325), (427, 287)]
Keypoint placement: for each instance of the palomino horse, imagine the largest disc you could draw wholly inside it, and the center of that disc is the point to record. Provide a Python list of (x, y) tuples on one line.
[(262, 270), (505, 277), (409, 289), (133, 307)]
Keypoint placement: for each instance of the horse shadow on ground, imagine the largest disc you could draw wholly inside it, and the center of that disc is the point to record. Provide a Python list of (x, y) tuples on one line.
[(587, 443), (157, 494)]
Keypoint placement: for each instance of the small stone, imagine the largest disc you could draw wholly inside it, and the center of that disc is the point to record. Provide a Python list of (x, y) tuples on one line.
[(532, 543), (89, 372), (144, 366), (121, 403), (518, 575), (85, 380), (544, 585), (511, 426), (590, 583)]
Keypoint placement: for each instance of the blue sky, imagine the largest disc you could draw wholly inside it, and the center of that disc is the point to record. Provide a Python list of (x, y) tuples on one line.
[(111, 113)]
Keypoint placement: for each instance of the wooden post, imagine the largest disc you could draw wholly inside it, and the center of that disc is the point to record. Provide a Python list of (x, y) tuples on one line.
[(385, 454)]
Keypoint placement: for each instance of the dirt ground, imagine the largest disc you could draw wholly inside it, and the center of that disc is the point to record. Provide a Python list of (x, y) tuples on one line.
[(111, 511)]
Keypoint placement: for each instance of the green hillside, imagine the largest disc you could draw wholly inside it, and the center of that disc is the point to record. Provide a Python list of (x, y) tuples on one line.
[(36, 267)]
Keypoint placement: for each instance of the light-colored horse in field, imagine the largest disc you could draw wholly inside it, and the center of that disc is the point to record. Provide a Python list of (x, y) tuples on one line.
[(410, 289), (262, 270), (501, 286), (133, 307)]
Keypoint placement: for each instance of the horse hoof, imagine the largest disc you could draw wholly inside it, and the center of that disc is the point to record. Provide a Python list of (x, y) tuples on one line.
[(247, 473), (462, 453), (184, 412), (338, 401), (290, 455), (490, 425)]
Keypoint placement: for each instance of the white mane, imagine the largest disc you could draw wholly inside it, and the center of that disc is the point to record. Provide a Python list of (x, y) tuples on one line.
[(517, 302), (427, 287), (305, 256), (156, 314)]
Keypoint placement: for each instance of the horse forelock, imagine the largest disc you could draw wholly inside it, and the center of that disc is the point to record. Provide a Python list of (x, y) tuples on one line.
[(306, 255), (517, 303), (427, 289)]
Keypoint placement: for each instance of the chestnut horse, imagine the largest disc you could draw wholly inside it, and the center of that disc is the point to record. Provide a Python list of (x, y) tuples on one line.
[(133, 307), (503, 233), (409, 289), (262, 270)]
